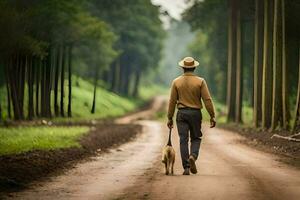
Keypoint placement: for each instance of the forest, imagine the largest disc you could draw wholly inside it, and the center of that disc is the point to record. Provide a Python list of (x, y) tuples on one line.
[(85, 87), (252, 58), (44, 43)]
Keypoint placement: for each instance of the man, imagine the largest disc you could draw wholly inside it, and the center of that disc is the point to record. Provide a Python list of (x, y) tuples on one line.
[(186, 92)]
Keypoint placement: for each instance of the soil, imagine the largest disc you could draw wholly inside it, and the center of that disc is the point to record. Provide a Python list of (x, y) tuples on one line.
[(16, 171), (289, 151)]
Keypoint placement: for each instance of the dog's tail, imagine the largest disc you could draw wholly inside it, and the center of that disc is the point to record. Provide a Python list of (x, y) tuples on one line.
[(169, 141)]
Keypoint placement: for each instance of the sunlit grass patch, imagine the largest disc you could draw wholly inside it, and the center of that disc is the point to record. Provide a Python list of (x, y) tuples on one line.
[(22, 139), (148, 91)]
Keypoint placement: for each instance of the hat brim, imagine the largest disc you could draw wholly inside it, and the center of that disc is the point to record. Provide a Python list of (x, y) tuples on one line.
[(181, 64)]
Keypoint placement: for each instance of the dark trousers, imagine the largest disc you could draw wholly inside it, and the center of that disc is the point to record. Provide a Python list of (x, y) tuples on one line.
[(189, 126)]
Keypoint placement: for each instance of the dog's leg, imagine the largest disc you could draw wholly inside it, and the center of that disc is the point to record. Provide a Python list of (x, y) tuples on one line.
[(172, 166), (166, 167)]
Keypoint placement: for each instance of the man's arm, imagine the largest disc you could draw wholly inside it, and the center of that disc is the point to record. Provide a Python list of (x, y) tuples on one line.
[(205, 95), (172, 104)]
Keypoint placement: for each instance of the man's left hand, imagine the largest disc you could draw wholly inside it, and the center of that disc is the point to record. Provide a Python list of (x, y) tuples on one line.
[(170, 123), (212, 122)]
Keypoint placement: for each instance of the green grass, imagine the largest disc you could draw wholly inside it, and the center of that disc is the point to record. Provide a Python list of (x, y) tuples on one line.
[(22, 139), (108, 104), (146, 92)]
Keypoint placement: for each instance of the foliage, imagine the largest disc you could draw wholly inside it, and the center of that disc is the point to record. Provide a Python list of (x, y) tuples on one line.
[(44, 40), (207, 19)]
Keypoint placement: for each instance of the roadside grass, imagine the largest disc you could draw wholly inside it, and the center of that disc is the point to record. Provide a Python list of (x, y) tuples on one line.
[(15, 140), (148, 91)]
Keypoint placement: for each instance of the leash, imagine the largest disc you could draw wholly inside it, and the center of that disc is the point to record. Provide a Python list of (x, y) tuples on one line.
[(169, 141)]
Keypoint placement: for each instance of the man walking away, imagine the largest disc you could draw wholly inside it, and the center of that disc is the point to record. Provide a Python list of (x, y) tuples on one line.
[(186, 93)]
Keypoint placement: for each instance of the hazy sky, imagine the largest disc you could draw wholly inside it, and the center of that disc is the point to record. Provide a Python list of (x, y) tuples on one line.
[(174, 7)]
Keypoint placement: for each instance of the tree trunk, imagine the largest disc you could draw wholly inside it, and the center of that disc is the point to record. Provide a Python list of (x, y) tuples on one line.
[(231, 74), (113, 71), (258, 62), (56, 79), (70, 82), (136, 83), (30, 81), (277, 117), (21, 85), (285, 109), (95, 90), (117, 76), (239, 68), (13, 86), (267, 65), (37, 87), (296, 127), (49, 82), (8, 91), (126, 84), (62, 80), (43, 88)]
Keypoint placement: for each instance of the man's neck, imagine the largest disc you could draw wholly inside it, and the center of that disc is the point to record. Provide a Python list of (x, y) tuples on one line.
[(188, 73)]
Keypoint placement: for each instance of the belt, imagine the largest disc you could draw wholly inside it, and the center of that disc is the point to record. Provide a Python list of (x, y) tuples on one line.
[(188, 108)]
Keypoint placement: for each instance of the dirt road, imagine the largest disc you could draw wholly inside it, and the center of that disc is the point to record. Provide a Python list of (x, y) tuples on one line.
[(227, 169)]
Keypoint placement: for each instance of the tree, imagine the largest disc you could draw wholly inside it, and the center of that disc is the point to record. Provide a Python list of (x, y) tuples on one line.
[(258, 61), (277, 108), (239, 67), (296, 126), (267, 64), (232, 59)]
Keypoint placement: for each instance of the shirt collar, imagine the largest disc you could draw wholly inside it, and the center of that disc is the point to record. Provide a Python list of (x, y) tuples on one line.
[(188, 74)]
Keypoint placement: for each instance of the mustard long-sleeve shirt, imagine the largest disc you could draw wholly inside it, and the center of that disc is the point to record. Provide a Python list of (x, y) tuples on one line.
[(187, 91)]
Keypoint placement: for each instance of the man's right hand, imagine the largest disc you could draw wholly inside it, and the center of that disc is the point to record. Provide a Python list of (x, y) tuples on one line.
[(212, 122), (170, 123)]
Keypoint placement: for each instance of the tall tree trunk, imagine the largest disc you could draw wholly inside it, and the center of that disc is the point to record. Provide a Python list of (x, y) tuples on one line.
[(8, 91), (136, 83), (30, 81), (296, 127), (117, 76), (127, 77), (37, 87), (70, 82), (48, 85), (56, 79), (239, 67), (113, 72), (258, 61), (277, 117), (285, 109), (13, 86), (231, 74), (21, 85), (95, 90), (42, 88), (62, 81), (267, 65)]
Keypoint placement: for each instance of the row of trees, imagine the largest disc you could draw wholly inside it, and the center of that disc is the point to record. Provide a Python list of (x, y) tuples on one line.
[(262, 57), (44, 42)]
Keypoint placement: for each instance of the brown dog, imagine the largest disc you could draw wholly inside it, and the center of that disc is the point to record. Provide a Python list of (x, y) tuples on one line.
[(168, 156)]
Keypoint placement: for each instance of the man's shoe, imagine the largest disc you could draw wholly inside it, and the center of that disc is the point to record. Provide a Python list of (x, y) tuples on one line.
[(192, 161), (186, 171)]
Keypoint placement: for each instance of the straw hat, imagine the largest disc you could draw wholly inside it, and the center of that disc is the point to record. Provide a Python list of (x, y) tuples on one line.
[(188, 62)]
